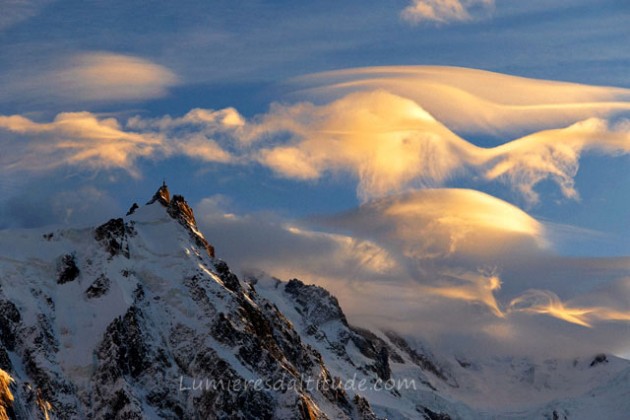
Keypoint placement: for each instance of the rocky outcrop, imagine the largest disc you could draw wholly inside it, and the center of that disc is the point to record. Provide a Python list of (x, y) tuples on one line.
[(114, 235), (315, 303), (132, 209), (317, 307), (98, 288), (67, 269)]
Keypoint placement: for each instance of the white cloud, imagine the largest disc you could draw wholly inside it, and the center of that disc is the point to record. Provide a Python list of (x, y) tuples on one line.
[(445, 11)]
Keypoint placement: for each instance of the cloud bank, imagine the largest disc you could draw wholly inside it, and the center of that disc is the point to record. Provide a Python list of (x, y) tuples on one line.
[(387, 142)]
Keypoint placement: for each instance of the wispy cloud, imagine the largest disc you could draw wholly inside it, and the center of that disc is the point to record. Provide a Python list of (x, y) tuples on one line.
[(83, 139), (80, 139), (16, 11), (446, 11), (548, 303)]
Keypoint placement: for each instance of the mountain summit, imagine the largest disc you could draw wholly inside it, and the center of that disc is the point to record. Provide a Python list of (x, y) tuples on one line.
[(137, 318)]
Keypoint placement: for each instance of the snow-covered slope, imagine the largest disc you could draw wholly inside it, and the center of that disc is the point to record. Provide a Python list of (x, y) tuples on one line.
[(136, 318), (448, 386)]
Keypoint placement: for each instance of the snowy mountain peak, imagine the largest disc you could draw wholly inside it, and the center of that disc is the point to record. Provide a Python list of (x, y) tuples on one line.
[(180, 210), (137, 319)]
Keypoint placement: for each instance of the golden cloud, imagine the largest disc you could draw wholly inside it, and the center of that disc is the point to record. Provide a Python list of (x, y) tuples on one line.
[(548, 303), (448, 221), (390, 143)]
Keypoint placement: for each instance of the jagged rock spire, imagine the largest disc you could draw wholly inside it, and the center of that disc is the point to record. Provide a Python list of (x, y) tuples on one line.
[(179, 210), (162, 195)]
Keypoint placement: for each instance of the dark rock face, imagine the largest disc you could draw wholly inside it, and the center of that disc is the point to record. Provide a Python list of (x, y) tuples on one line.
[(373, 348), (326, 308), (9, 320), (114, 236), (124, 345), (98, 288), (432, 415), (132, 209), (317, 307), (600, 358), (229, 279), (363, 409), (67, 269), (179, 210)]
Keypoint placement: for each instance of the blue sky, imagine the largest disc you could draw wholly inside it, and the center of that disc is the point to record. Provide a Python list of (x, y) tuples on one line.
[(476, 152)]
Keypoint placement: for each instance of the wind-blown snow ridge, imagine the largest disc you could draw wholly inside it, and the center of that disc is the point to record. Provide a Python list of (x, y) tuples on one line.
[(137, 319)]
